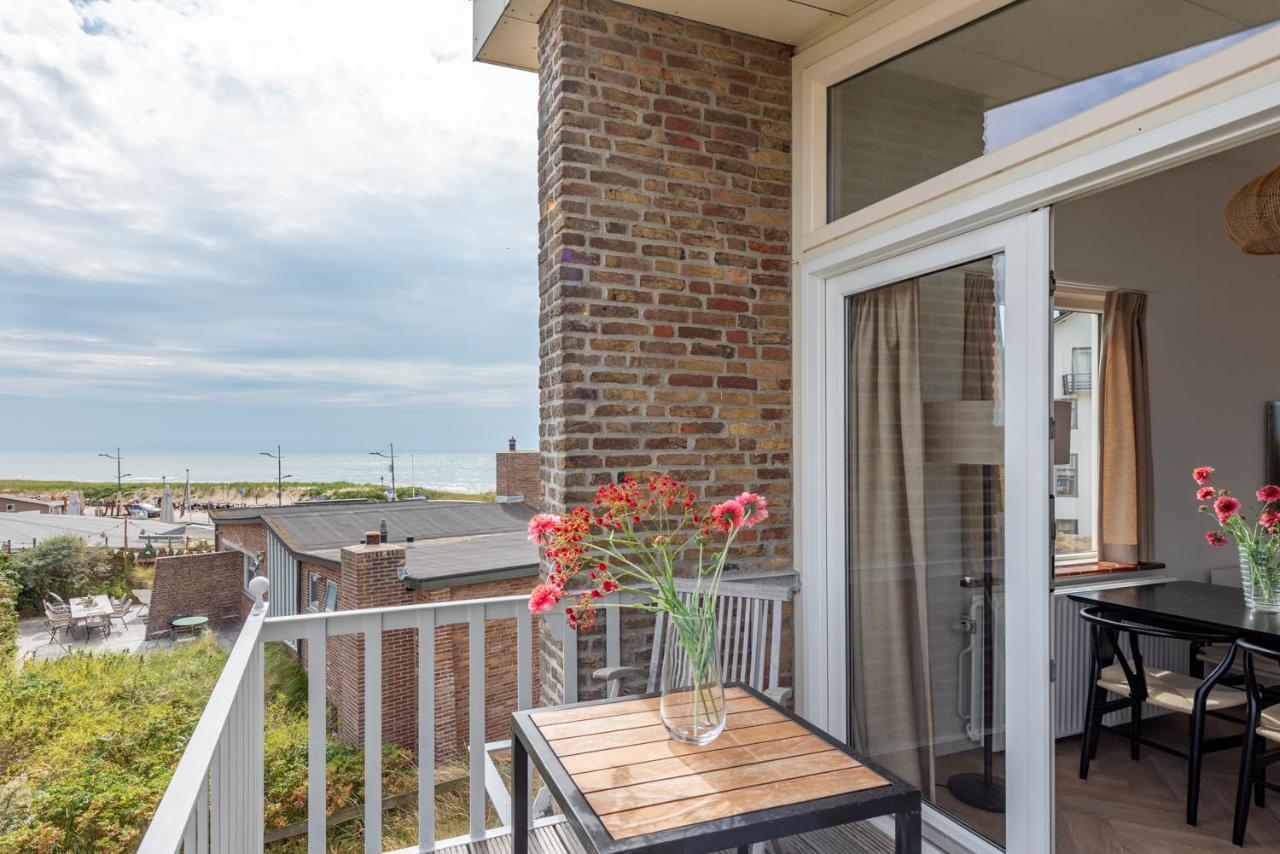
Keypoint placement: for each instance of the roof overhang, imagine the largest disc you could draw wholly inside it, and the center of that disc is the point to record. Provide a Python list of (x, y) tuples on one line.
[(505, 32)]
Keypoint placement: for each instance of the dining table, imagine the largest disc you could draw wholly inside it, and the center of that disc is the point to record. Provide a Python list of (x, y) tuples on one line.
[(91, 609), (1189, 604)]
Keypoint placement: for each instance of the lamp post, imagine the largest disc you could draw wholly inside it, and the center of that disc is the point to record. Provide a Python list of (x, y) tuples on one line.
[(119, 476), (278, 456), (389, 454)]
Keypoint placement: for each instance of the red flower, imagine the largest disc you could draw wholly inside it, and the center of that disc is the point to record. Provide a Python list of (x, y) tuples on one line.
[(544, 598), (1269, 493), (1206, 493), (1216, 539), (1226, 506), (1269, 518), (732, 509), (541, 525), (1202, 474)]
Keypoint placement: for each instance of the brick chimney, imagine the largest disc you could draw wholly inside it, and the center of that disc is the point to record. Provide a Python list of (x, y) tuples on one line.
[(517, 476)]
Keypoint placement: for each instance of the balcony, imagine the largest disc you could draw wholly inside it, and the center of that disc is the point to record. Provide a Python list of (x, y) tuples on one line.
[(215, 801), (1076, 383)]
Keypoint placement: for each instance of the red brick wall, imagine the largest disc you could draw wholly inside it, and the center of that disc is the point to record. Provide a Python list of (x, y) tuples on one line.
[(209, 584), (517, 474), (367, 580), (664, 263)]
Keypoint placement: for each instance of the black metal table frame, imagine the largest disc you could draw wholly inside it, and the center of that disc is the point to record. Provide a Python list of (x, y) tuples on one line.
[(899, 799)]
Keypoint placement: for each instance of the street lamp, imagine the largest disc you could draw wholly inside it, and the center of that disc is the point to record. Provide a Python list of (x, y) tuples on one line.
[(280, 478), (390, 454), (119, 476)]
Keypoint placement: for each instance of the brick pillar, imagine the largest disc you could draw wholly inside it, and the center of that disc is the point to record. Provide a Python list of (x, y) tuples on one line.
[(368, 580), (664, 175)]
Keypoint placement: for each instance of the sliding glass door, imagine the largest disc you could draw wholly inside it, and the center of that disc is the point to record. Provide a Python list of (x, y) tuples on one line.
[(937, 378)]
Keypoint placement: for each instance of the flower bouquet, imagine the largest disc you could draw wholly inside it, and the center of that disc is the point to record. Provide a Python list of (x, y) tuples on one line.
[(633, 539), (1258, 542)]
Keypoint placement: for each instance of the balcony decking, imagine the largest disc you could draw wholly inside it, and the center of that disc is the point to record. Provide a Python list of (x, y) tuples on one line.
[(558, 839)]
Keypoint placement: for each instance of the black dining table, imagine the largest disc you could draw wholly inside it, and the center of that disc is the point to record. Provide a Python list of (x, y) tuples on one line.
[(1192, 604)]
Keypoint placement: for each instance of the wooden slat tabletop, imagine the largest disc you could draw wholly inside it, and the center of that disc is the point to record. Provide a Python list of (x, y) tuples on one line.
[(639, 781)]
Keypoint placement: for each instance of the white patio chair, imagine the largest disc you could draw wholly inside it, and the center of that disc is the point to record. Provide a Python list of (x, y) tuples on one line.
[(120, 610), (749, 622)]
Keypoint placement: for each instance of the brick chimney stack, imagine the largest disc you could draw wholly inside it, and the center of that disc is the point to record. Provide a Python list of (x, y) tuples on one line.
[(517, 476)]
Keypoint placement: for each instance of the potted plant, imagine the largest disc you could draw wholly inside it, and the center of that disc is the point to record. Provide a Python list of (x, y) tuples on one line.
[(1258, 541), (637, 539)]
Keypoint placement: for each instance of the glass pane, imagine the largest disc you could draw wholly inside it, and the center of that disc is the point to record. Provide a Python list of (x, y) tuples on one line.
[(925, 500), (1075, 345), (1006, 76)]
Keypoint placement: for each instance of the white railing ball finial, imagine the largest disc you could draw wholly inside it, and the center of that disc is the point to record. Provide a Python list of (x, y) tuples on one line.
[(258, 589)]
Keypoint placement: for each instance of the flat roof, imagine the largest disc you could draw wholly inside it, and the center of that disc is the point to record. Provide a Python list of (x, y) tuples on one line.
[(446, 561), (48, 502)]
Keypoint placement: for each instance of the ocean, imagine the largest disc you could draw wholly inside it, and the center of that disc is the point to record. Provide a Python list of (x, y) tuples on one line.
[(461, 472)]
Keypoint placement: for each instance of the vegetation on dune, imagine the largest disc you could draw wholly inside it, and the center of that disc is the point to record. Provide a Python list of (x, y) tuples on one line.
[(88, 744), (251, 490)]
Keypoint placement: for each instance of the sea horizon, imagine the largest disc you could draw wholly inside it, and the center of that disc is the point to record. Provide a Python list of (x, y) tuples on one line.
[(458, 471)]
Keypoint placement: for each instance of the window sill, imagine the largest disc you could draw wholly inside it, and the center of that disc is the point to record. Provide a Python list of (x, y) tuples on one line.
[(1093, 569)]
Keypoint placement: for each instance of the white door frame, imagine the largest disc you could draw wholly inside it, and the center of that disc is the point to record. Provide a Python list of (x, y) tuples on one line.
[(1024, 242)]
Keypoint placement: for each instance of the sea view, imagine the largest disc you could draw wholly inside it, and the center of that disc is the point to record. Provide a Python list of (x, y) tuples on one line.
[(453, 471)]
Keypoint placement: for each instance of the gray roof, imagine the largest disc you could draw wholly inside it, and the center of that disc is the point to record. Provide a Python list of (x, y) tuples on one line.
[(452, 560), (48, 502), (334, 527), (20, 529)]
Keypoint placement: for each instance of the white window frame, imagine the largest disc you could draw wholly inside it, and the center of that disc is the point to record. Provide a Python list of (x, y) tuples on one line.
[(822, 620), (1234, 98), (1247, 72)]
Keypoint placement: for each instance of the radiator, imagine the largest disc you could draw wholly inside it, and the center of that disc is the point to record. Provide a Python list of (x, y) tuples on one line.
[(970, 700), (1071, 654)]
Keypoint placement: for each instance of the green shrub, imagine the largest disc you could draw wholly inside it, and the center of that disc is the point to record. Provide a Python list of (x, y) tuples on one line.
[(8, 617), (88, 744), (68, 566)]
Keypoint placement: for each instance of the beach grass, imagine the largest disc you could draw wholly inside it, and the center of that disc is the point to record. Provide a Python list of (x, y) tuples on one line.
[(245, 489)]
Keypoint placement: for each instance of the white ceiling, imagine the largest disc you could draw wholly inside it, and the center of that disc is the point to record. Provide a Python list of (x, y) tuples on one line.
[(513, 39)]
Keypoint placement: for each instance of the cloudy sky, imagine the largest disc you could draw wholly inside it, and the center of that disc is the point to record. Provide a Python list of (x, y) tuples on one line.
[(231, 222)]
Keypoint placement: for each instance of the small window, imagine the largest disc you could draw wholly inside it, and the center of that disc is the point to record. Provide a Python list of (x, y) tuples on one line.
[(314, 590), (1066, 478), (330, 596), (250, 566)]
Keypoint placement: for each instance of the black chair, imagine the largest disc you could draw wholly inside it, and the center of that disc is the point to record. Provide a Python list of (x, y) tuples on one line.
[(1135, 683), (1261, 725)]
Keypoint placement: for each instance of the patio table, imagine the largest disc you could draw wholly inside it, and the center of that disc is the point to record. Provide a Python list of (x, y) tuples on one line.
[(625, 786), (189, 623), (84, 607)]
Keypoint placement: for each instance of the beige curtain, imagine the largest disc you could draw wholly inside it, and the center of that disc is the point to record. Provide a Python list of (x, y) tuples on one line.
[(1125, 488), (979, 383), (891, 694)]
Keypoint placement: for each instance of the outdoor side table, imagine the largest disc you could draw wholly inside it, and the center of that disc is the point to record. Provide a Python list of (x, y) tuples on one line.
[(624, 785), (189, 624)]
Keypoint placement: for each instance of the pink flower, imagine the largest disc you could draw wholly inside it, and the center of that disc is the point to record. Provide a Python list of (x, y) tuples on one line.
[(733, 509), (1269, 493), (1202, 474), (756, 508), (1216, 539), (1269, 518), (1226, 506), (1205, 493), (544, 597), (541, 525)]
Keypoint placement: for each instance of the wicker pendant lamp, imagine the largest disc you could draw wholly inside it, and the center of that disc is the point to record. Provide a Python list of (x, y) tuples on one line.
[(1252, 217)]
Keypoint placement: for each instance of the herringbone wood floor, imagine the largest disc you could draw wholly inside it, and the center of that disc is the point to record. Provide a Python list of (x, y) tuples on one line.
[(1129, 807)]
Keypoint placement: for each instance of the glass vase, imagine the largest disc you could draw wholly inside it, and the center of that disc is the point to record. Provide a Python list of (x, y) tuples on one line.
[(692, 702), (1261, 578)]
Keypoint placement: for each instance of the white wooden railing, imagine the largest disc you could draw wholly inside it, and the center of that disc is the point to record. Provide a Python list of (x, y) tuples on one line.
[(215, 801)]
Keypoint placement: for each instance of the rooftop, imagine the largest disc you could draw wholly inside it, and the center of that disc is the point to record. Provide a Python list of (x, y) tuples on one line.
[(48, 502)]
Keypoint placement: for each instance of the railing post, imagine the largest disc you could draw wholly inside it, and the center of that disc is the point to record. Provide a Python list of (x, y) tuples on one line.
[(475, 715), (373, 734), (427, 730), (317, 710)]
